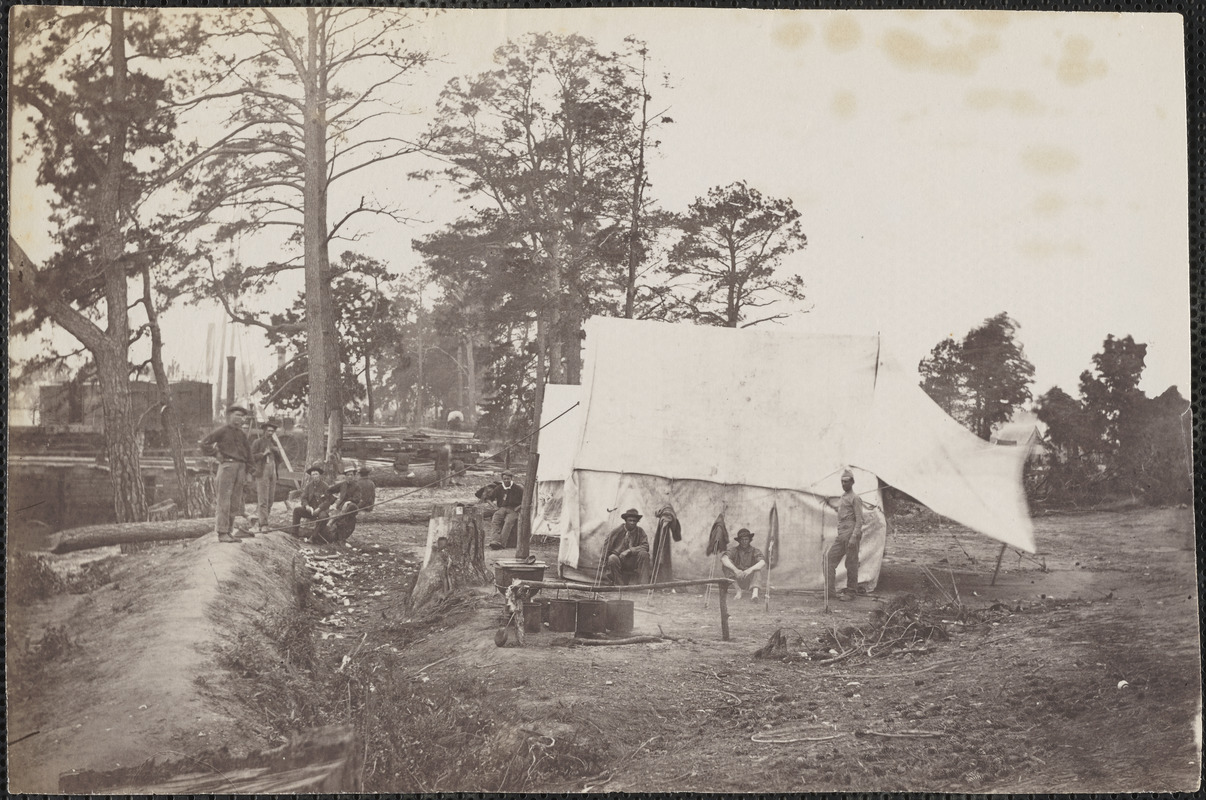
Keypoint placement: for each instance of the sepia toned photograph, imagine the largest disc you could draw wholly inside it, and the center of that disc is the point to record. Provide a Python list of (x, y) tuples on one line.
[(411, 400)]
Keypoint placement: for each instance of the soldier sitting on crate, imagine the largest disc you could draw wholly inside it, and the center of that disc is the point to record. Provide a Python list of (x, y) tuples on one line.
[(626, 553), (345, 501), (313, 503), (743, 562), (508, 496)]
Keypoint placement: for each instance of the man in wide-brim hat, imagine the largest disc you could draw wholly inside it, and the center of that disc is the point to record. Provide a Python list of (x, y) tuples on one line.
[(313, 502), (626, 554), (742, 562), (266, 457)]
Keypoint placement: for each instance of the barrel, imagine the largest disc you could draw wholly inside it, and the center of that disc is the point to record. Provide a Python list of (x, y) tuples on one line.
[(592, 616), (619, 616), (533, 616), (561, 615)]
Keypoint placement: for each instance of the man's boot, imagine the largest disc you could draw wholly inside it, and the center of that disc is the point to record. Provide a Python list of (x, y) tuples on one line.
[(226, 538)]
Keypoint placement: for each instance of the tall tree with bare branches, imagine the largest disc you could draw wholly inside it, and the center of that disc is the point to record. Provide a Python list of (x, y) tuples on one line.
[(313, 100)]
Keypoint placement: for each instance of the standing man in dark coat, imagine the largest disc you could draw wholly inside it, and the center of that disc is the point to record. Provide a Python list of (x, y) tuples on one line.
[(267, 457), (626, 554), (230, 446), (508, 496)]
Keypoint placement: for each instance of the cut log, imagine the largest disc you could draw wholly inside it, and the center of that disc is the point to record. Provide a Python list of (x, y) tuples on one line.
[(455, 557), (91, 536)]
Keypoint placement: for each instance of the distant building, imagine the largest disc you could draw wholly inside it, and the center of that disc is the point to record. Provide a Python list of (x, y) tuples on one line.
[(78, 405), (1023, 429)]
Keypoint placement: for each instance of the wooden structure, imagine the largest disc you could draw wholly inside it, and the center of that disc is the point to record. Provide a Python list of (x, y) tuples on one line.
[(721, 583)]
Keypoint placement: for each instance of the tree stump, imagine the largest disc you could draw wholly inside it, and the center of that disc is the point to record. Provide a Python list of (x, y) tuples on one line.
[(200, 502), (455, 557)]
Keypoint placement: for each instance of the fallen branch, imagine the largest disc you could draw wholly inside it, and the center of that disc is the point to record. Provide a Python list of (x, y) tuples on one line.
[(838, 657), (433, 663), (761, 738)]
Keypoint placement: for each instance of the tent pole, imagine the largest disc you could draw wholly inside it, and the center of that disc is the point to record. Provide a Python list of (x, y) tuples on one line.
[(1000, 555)]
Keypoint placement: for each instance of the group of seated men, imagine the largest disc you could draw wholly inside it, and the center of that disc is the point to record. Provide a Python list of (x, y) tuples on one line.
[(626, 555), (627, 561), (333, 507)]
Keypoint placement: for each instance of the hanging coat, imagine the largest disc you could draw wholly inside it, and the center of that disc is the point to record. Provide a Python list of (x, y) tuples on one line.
[(668, 528), (718, 539)]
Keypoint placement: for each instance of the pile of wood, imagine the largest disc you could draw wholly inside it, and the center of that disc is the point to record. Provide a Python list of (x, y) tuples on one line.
[(409, 444)]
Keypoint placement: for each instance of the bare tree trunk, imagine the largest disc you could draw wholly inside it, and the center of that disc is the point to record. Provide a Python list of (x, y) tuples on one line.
[(460, 377), (368, 387), (121, 441), (419, 409), (638, 196), (529, 487), (315, 246), (112, 359), (471, 374), (169, 418)]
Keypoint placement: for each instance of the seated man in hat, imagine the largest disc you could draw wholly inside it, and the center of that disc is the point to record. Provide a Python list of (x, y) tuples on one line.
[(742, 563), (626, 553), (345, 501), (368, 490), (313, 502), (508, 496)]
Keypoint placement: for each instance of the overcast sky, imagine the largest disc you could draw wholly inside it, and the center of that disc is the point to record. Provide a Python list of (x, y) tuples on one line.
[(948, 165)]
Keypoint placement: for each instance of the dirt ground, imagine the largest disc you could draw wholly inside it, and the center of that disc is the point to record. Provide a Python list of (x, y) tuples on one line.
[(1078, 671)]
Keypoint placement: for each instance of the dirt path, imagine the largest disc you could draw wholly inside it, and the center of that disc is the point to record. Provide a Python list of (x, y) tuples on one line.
[(126, 672), (1028, 703), (1027, 694)]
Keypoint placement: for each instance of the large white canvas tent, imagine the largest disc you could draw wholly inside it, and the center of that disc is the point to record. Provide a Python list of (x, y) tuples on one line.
[(715, 420), (559, 424)]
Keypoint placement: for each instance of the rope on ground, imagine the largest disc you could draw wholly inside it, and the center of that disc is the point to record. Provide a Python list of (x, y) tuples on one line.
[(781, 737)]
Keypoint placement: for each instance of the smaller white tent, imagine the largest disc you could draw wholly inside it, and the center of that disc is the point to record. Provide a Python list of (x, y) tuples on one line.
[(559, 424)]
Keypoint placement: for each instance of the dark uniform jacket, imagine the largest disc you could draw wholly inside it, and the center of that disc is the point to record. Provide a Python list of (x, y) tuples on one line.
[(345, 490), (368, 492), (622, 539), (314, 493), (230, 443), (506, 498)]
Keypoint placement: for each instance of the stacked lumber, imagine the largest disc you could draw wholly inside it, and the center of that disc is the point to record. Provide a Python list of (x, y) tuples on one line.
[(410, 444)]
